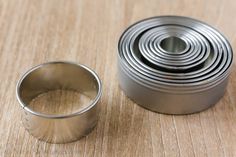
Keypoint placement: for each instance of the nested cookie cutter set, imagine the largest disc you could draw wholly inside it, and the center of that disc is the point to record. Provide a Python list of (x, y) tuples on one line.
[(167, 64)]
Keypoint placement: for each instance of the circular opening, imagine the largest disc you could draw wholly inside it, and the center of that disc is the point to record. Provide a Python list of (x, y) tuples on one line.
[(58, 89), (173, 44)]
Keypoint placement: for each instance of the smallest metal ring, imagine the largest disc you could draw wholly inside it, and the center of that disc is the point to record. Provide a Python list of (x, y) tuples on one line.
[(59, 128)]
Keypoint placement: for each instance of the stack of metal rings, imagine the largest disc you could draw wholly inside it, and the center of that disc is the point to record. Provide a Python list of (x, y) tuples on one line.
[(174, 65)]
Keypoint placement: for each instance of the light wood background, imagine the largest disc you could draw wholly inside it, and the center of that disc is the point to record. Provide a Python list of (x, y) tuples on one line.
[(87, 32)]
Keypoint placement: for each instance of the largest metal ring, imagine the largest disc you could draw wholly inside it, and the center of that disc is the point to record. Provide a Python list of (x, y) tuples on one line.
[(174, 65), (65, 76)]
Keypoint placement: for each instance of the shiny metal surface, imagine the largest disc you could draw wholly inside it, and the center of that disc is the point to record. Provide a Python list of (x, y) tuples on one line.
[(173, 64), (66, 76)]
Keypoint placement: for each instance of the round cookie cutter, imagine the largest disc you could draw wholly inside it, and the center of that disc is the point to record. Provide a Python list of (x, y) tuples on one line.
[(59, 75), (173, 64)]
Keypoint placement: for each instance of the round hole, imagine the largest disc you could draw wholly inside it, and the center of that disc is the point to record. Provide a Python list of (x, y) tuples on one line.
[(173, 44), (58, 89)]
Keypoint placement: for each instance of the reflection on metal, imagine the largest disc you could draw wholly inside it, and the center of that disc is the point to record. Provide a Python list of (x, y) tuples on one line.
[(57, 128)]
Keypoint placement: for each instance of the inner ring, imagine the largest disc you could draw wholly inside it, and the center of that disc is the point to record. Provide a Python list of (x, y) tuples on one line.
[(173, 44)]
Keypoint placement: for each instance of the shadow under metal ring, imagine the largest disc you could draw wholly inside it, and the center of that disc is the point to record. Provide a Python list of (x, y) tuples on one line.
[(173, 64)]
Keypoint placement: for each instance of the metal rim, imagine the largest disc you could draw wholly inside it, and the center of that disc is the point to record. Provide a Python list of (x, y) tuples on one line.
[(59, 116), (142, 58)]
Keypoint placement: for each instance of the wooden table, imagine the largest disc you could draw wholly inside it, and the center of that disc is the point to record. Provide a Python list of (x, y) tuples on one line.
[(87, 32)]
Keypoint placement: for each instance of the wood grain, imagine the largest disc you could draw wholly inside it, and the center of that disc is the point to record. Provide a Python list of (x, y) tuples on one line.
[(87, 32)]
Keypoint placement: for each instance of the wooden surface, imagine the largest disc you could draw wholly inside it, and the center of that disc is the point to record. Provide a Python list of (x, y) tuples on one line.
[(87, 32)]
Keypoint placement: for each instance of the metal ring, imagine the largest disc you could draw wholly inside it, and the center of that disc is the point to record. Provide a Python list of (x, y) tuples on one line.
[(173, 64), (55, 128)]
